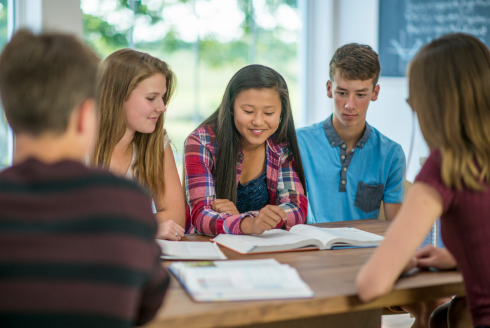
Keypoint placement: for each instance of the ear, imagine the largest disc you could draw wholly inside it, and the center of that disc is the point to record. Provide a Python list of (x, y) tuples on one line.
[(329, 89), (86, 117), (374, 97)]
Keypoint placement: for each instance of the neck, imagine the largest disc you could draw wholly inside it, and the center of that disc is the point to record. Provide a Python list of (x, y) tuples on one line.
[(350, 135), (252, 149), (47, 148), (126, 142)]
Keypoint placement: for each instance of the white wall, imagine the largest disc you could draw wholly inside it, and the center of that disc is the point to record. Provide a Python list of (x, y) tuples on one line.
[(357, 21)]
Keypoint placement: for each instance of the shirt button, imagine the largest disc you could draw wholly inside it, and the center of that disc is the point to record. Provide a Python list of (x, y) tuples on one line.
[(343, 181), (343, 156), (333, 143), (343, 146), (237, 163), (345, 169)]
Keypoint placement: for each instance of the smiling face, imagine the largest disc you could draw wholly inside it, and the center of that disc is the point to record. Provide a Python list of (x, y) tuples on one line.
[(256, 113), (351, 101), (145, 104)]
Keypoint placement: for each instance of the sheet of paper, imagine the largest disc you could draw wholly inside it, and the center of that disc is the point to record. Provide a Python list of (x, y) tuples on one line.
[(190, 250)]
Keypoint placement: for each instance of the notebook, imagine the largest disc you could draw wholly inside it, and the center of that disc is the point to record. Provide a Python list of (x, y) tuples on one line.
[(188, 250), (240, 280), (298, 237)]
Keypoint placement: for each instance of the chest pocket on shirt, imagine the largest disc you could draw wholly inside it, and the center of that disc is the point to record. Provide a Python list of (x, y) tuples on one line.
[(368, 197)]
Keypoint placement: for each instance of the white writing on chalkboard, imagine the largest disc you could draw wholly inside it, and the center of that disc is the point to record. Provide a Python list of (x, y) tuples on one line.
[(406, 25), (442, 17)]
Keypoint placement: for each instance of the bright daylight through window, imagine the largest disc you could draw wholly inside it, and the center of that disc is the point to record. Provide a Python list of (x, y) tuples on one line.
[(204, 41)]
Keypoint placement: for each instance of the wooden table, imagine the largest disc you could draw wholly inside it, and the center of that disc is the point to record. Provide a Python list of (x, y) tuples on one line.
[(330, 274)]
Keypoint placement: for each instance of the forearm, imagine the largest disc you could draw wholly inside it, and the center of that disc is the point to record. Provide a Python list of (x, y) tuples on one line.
[(210, 222), (177, 215)]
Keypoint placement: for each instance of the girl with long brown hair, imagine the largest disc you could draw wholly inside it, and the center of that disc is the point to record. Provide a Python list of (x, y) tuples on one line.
[(243, 171), (134, 91), (449, 83)]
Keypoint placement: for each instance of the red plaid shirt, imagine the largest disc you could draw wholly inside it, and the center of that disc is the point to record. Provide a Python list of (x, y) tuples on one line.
[(283, 184)]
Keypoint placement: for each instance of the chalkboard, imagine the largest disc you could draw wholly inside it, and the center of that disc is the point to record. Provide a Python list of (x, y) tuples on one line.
[(406, 25)]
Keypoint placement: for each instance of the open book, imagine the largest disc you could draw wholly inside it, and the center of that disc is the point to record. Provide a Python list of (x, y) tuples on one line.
[(240, 280), (189, 250), (299, 236)]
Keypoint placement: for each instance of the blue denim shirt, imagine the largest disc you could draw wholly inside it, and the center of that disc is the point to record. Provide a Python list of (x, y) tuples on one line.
[(349, 186)]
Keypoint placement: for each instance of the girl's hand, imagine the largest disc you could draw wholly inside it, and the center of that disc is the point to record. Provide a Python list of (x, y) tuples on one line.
[(268, 218), (170, 230), (435, 257), (224, 206), (412, 264)]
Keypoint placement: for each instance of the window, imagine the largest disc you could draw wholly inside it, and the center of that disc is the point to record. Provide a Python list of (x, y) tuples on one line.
[(5, 135), (204, 41)]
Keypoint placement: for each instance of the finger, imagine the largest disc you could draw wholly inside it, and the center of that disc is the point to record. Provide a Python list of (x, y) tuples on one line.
[(267, 223), (272, 214), (425, 262), (424, 252), (279, 211), (265, 226), (229, 208), (169, 236)]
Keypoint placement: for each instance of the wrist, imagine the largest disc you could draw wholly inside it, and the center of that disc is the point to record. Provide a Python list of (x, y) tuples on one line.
[(246, 225)]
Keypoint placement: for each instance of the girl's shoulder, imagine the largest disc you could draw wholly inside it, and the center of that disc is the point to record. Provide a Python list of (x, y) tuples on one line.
[(277, 146), (203, 134)]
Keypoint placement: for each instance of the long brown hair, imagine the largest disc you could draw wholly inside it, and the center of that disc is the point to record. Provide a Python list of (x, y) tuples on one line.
[(227, 136), (449, 90), (119, 75)]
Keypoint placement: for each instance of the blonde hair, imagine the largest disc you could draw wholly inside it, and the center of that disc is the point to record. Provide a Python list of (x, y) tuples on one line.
[(449, 90), (119, 75)]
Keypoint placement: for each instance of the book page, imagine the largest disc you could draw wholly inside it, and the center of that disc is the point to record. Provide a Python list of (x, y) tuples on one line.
[(247, 243), (347, 235), (190, 250)]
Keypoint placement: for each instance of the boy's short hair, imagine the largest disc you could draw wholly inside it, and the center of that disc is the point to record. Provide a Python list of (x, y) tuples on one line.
[(43, 78), (355, 61)]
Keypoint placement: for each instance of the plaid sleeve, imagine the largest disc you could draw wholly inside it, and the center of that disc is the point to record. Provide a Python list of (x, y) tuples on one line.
[(200, 192), (290, 191)]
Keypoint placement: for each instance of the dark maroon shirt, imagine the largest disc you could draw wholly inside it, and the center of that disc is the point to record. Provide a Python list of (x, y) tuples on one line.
[(465, 230), (77, 248)]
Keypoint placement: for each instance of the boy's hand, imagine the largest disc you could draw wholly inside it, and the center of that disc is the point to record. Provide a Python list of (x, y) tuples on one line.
[(224, 206), (435, 257), (268, 218)]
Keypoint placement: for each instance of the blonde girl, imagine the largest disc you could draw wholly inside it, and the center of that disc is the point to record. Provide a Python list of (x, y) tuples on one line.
[(134, 90)]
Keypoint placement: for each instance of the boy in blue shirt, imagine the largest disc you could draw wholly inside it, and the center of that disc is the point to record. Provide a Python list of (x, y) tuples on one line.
[(351, 167)]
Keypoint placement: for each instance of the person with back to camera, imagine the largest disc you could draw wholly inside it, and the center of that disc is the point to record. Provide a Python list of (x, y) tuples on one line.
[(243, 172), (77, 244), (449, 79), (135, 89)]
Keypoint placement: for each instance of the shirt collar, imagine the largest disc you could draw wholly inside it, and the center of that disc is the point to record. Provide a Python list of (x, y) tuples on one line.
[(335, 140)]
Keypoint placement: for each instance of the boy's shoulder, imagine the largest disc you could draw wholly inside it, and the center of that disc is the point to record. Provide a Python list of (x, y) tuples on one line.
[(384, 143), (310, 129), (64, 175)]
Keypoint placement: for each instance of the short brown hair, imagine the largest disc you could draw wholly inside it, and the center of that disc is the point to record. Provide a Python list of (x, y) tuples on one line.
[(355, 61), (43, 78)]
